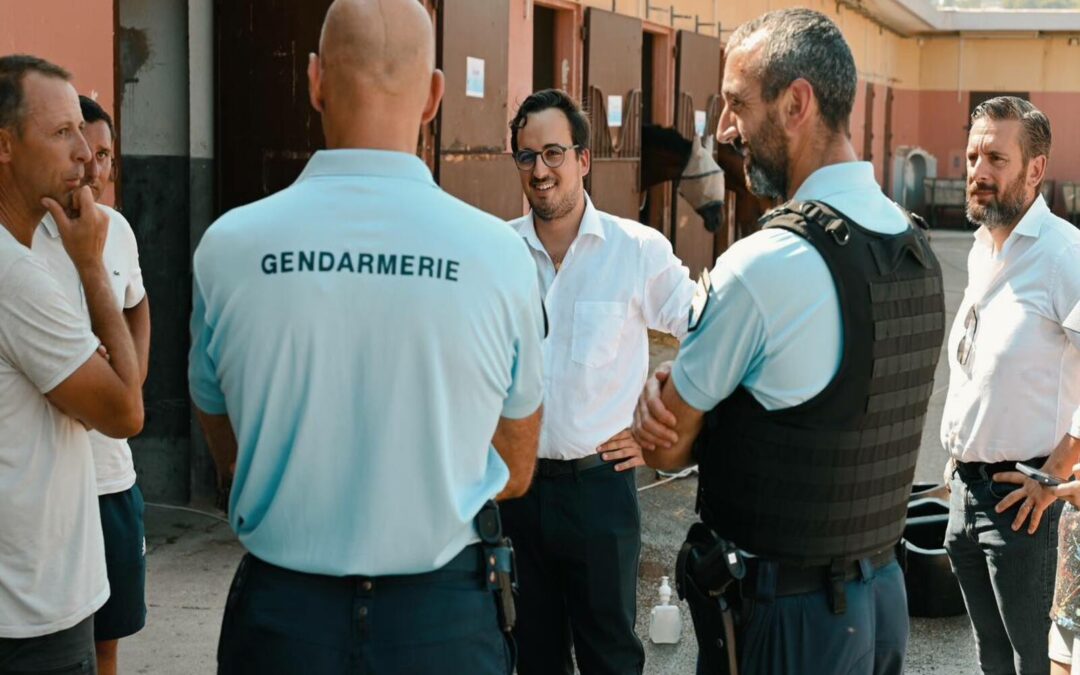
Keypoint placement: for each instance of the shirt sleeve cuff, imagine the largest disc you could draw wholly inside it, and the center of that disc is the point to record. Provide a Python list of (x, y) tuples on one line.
[(1075, 430), (516, 410), (690, 392), (209, 403), (71, 365), (133, 296)]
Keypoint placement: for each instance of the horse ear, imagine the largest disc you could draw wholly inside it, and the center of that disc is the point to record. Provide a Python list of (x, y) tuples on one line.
[(664, 154)]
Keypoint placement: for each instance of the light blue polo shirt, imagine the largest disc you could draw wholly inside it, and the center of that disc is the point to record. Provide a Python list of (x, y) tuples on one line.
[(364, 331), (772, 322)]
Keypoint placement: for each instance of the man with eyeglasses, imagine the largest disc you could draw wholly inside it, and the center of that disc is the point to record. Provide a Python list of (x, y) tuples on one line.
[(605, 282), (1014, 388)]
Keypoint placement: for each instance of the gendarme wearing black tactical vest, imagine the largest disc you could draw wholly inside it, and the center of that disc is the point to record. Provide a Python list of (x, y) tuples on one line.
[(820, 489)]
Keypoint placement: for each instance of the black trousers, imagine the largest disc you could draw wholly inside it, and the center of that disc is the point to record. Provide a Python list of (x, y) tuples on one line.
[(578, 542)]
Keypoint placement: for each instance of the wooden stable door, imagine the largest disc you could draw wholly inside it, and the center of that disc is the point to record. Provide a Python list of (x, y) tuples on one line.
[(473, 162), (612, 86), (266, 128), (697, 112)]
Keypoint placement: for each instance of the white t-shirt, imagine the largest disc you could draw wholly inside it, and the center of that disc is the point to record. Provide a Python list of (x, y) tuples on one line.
[(112, 456), (52, 557)]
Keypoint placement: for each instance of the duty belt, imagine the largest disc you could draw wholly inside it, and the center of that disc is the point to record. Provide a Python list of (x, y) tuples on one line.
[(790, 579), (499, 567)]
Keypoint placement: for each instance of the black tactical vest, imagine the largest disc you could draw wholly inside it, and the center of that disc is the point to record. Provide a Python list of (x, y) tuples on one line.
[(829, 479)]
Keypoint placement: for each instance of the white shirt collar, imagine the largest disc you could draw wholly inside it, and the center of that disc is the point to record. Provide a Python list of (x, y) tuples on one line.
[(1030, 224), (49, 225), (591, 224), (835, 179)]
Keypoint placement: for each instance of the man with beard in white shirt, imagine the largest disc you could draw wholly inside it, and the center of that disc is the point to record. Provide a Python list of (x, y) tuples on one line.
[(1014, 388)]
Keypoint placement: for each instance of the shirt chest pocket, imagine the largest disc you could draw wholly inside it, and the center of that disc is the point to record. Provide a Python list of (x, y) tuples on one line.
[(597, 330)]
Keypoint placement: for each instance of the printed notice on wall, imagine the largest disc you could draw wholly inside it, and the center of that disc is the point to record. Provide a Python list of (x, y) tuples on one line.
[(699, 122), (614, 111), (474, 77)]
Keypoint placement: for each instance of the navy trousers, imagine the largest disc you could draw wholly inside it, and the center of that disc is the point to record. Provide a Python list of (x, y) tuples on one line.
[(578, 542), (284, 622), (799, 634)]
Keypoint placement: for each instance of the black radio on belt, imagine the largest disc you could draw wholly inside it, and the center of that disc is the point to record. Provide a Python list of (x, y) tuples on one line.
[(498, 562)]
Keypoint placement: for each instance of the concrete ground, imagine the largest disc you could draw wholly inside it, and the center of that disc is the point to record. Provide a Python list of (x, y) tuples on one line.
[(191, 557)]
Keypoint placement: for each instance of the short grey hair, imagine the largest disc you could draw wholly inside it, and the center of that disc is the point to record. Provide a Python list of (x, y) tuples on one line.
[(807, 44), (13, 68), (1035, 139)]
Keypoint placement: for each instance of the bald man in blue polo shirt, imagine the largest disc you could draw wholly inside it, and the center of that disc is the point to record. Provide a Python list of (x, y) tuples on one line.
[(366, 352)]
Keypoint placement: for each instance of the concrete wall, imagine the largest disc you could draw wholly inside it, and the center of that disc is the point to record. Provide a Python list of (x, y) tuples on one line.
[(201, 111), (156, 137)]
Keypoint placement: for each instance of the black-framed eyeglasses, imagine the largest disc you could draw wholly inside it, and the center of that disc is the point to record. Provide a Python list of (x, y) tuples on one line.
[(552, 155), (967, 343)]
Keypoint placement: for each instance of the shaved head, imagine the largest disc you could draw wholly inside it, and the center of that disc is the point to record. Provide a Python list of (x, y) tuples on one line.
[(380, 46), (374, 79)]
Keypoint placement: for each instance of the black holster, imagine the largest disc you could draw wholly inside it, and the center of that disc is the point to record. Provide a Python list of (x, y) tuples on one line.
[(499, 568), (705, 570)]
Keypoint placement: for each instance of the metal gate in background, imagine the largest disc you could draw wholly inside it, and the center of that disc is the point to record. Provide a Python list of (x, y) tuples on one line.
[(612, 88)]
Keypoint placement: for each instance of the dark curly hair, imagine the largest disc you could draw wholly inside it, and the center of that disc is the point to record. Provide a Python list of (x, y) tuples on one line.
[(552, 98)]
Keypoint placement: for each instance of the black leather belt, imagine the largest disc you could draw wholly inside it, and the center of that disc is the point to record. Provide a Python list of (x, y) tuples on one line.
[(549, 468), (465, 566), (969, 471), (796, 580)]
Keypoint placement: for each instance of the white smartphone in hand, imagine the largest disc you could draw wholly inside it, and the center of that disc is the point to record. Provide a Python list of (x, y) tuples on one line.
[(1039, 476)]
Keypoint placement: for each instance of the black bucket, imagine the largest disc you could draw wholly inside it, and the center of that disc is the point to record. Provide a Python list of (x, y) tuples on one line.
[(932, 588)]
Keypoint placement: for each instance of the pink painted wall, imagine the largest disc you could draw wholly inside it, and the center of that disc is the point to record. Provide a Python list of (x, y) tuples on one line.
[(858, 118), (76, 36), (943, 122), (879, 131), (906, 118), (1061, 108), (520, 57)]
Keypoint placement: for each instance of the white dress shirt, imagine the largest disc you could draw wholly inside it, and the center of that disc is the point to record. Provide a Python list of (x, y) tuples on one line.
[(1019, 391), (618, 279)]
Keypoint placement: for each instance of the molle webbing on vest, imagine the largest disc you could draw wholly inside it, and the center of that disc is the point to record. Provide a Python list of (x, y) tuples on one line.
[(829, 479)]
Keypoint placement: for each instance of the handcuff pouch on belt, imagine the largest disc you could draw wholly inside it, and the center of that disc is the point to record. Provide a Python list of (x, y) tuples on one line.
[(499, 566), (705, 569)]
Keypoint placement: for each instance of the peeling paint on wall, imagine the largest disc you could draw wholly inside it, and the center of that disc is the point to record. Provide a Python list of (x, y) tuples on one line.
[(134, 52)]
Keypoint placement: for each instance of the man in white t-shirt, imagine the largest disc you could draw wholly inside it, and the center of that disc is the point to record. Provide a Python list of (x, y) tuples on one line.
[(119, 499), (54, 383)]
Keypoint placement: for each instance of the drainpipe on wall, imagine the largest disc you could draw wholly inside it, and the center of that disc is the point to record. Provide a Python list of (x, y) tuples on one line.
[(960, 73)]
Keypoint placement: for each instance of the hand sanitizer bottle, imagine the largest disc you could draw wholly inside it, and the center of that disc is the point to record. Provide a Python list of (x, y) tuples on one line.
[(665, 624)]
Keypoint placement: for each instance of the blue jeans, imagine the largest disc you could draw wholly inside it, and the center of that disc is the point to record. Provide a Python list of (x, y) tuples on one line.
[(1007, 577)]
